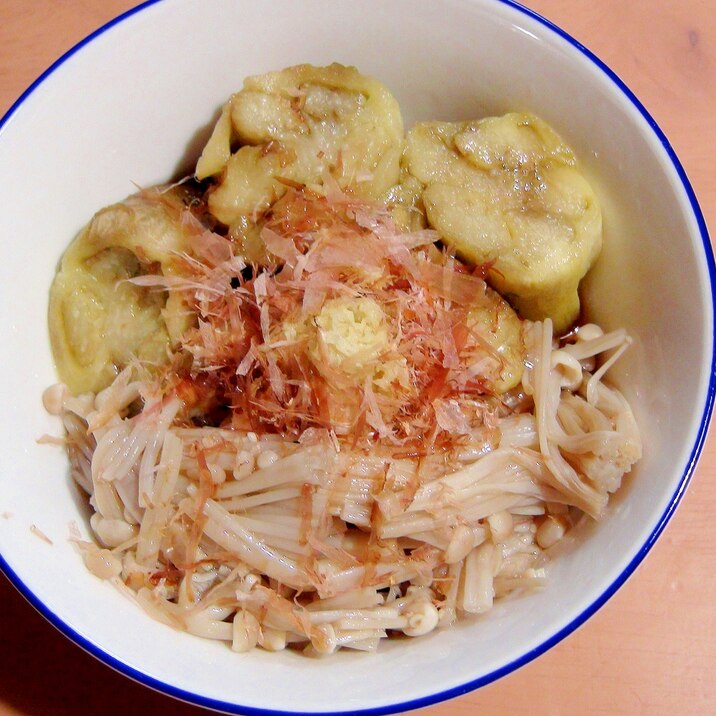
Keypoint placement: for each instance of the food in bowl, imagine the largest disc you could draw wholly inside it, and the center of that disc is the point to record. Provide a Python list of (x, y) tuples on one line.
[(333, 387)]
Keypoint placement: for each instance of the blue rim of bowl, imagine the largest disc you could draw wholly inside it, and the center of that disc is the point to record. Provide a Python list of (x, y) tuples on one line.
[(421, 702)]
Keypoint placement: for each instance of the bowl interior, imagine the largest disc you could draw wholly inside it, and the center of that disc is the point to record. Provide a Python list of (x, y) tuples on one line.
[(133, 106)]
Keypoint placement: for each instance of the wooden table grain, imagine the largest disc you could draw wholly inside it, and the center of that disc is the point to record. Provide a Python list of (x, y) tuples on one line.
[(652, 648)]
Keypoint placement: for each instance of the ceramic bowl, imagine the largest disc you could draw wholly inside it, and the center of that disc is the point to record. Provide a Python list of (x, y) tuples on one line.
[(132, 105)]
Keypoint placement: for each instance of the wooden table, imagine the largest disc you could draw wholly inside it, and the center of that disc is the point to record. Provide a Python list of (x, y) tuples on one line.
[(652, 648)]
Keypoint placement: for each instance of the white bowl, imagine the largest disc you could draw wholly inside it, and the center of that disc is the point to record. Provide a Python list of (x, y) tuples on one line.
[(132, 104)]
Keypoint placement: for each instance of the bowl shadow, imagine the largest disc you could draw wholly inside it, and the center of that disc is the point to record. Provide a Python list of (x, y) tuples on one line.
[(192, 151), (45, 673)]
